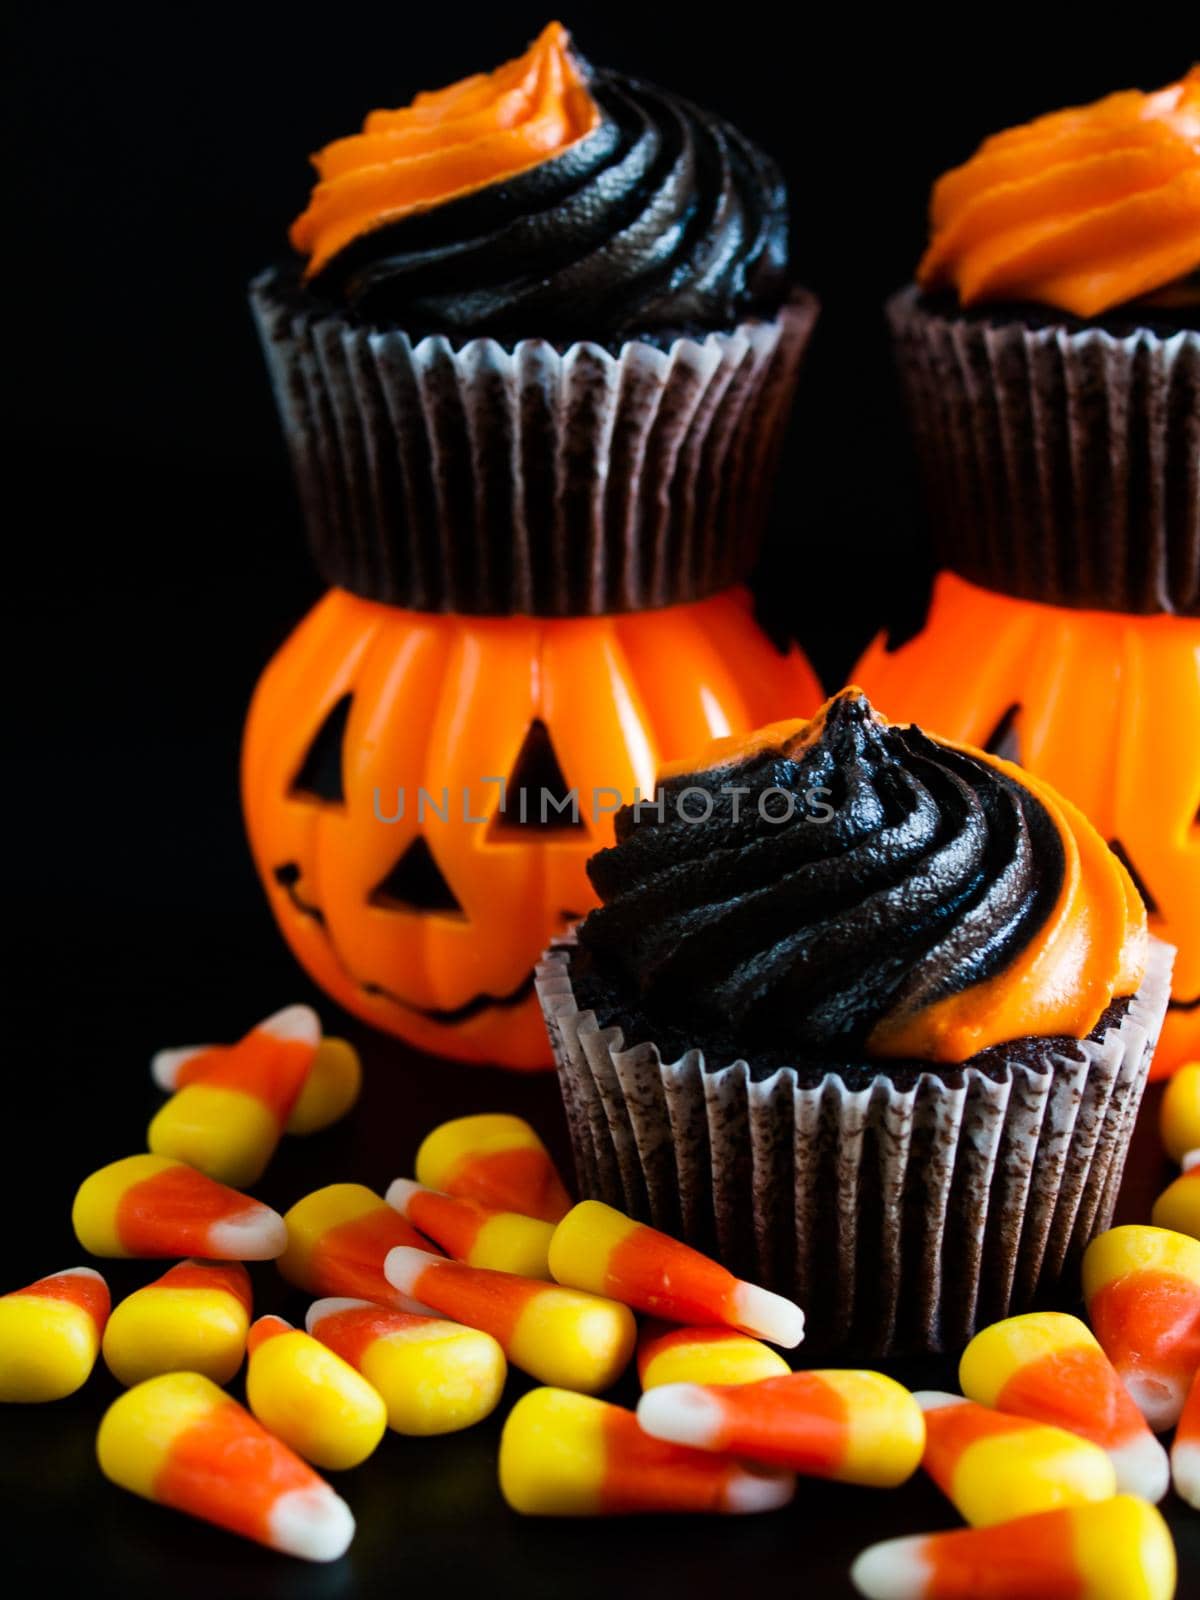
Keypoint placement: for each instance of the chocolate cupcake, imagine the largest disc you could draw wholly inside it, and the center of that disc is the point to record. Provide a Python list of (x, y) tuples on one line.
[(1050, 354), (868, 1014), (541, 346)]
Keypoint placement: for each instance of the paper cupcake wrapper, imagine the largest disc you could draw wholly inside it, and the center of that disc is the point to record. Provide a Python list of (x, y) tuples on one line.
[(901, 1219), (1060, 464), (489, 480)]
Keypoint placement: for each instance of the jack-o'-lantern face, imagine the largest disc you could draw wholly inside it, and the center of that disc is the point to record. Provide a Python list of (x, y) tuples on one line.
[(422, 792), (1106, 707)]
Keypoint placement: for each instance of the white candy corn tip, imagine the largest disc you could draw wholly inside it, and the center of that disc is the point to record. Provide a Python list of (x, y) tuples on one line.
[(768, 1316), (400, 1191), (749, 1491), (294, 1024), (314, 1524), (1190, 1160), (255, 1234), (936, 1399), (165, 1065), (405, 1264), (1143, 1468), (1160, 1400), (682, 1413), (330, 1307), (894, 1570), (78, 1272), (1185, 1473)]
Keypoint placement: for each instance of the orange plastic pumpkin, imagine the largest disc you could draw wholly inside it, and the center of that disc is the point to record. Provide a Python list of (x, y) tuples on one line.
[(1106, 707), (424, 913)]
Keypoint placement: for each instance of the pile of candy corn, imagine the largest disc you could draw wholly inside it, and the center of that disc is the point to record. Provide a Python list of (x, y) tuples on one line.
[(422, 1299)]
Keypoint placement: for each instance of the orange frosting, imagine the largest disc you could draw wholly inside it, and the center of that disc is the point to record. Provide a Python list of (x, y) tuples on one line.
[(1091, 949), (1081, 209), (447, 143)]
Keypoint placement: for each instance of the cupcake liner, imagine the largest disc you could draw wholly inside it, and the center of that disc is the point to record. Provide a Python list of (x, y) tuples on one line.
[(489, 480), (901, 1218), (1061, 463)]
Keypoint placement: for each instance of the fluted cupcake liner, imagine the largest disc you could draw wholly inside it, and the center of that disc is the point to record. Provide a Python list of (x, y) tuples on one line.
[(902, 1216), (1061, 462), (489, 480)]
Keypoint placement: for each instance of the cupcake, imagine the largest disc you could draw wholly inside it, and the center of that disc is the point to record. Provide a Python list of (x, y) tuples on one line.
[(1050, 351), (537, 346), (865, 1012)]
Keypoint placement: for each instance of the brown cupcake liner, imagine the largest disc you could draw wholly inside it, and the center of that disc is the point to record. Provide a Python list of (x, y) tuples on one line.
[(901, 1219), (1060, 464), (489, 480)]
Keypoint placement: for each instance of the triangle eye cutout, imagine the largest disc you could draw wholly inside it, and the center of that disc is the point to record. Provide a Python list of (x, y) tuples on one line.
[(1139, 883), (320, 774), (1003, 741), (537, 797), (416, 883)]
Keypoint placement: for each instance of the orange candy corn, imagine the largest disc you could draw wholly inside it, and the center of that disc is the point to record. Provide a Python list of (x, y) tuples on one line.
[(192, 1319), (1185, 1449), (703, 1355), (337, 1240), (497, 1159), (559, 1336), (856, 1427), (50, 1335), (568, 1455), (152, 1206), (605, 1252), (994, 1468), (231, 1104), (1115, 1550), (434, 1376), (1047, 1366), (1142, 1287), (179, 1440), (472, 1232)]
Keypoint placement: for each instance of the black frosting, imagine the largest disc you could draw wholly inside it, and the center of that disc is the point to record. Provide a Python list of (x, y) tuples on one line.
[(662, 219), (932, 872)]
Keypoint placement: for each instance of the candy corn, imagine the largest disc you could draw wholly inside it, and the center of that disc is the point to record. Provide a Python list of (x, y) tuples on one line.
[(994, 1467), (856, 1427), (228, 1112), (497, 1159), (1047, 1366), (310, 1398), (151, 1206), (50, 1335), (605, 1252), (181, 1441), (477, 1234), (192, 1319), (1185, 1449), (434, 1376), (1179, 1114), (559, 1336), (568, 1455), (1178, 1206), (703, 1355), (337, 1239), (330, 1089), (1117, 1550), (1142, 1287)]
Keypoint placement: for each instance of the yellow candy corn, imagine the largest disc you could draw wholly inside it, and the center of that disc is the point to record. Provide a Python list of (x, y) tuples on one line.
[(703, 1355), (569, 1455), (495, 1158), (477, 1234), (1178, 1206), (1179, 1114), (50, 1335), (434, 1376), (181, 1441), (330, 1090), (192, 1319), (310, 1398)]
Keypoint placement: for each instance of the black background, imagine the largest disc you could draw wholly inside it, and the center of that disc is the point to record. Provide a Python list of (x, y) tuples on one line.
[(154, 560)]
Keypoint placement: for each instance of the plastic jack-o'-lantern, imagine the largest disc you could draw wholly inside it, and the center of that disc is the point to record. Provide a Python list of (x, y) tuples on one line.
[(422, 791)]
